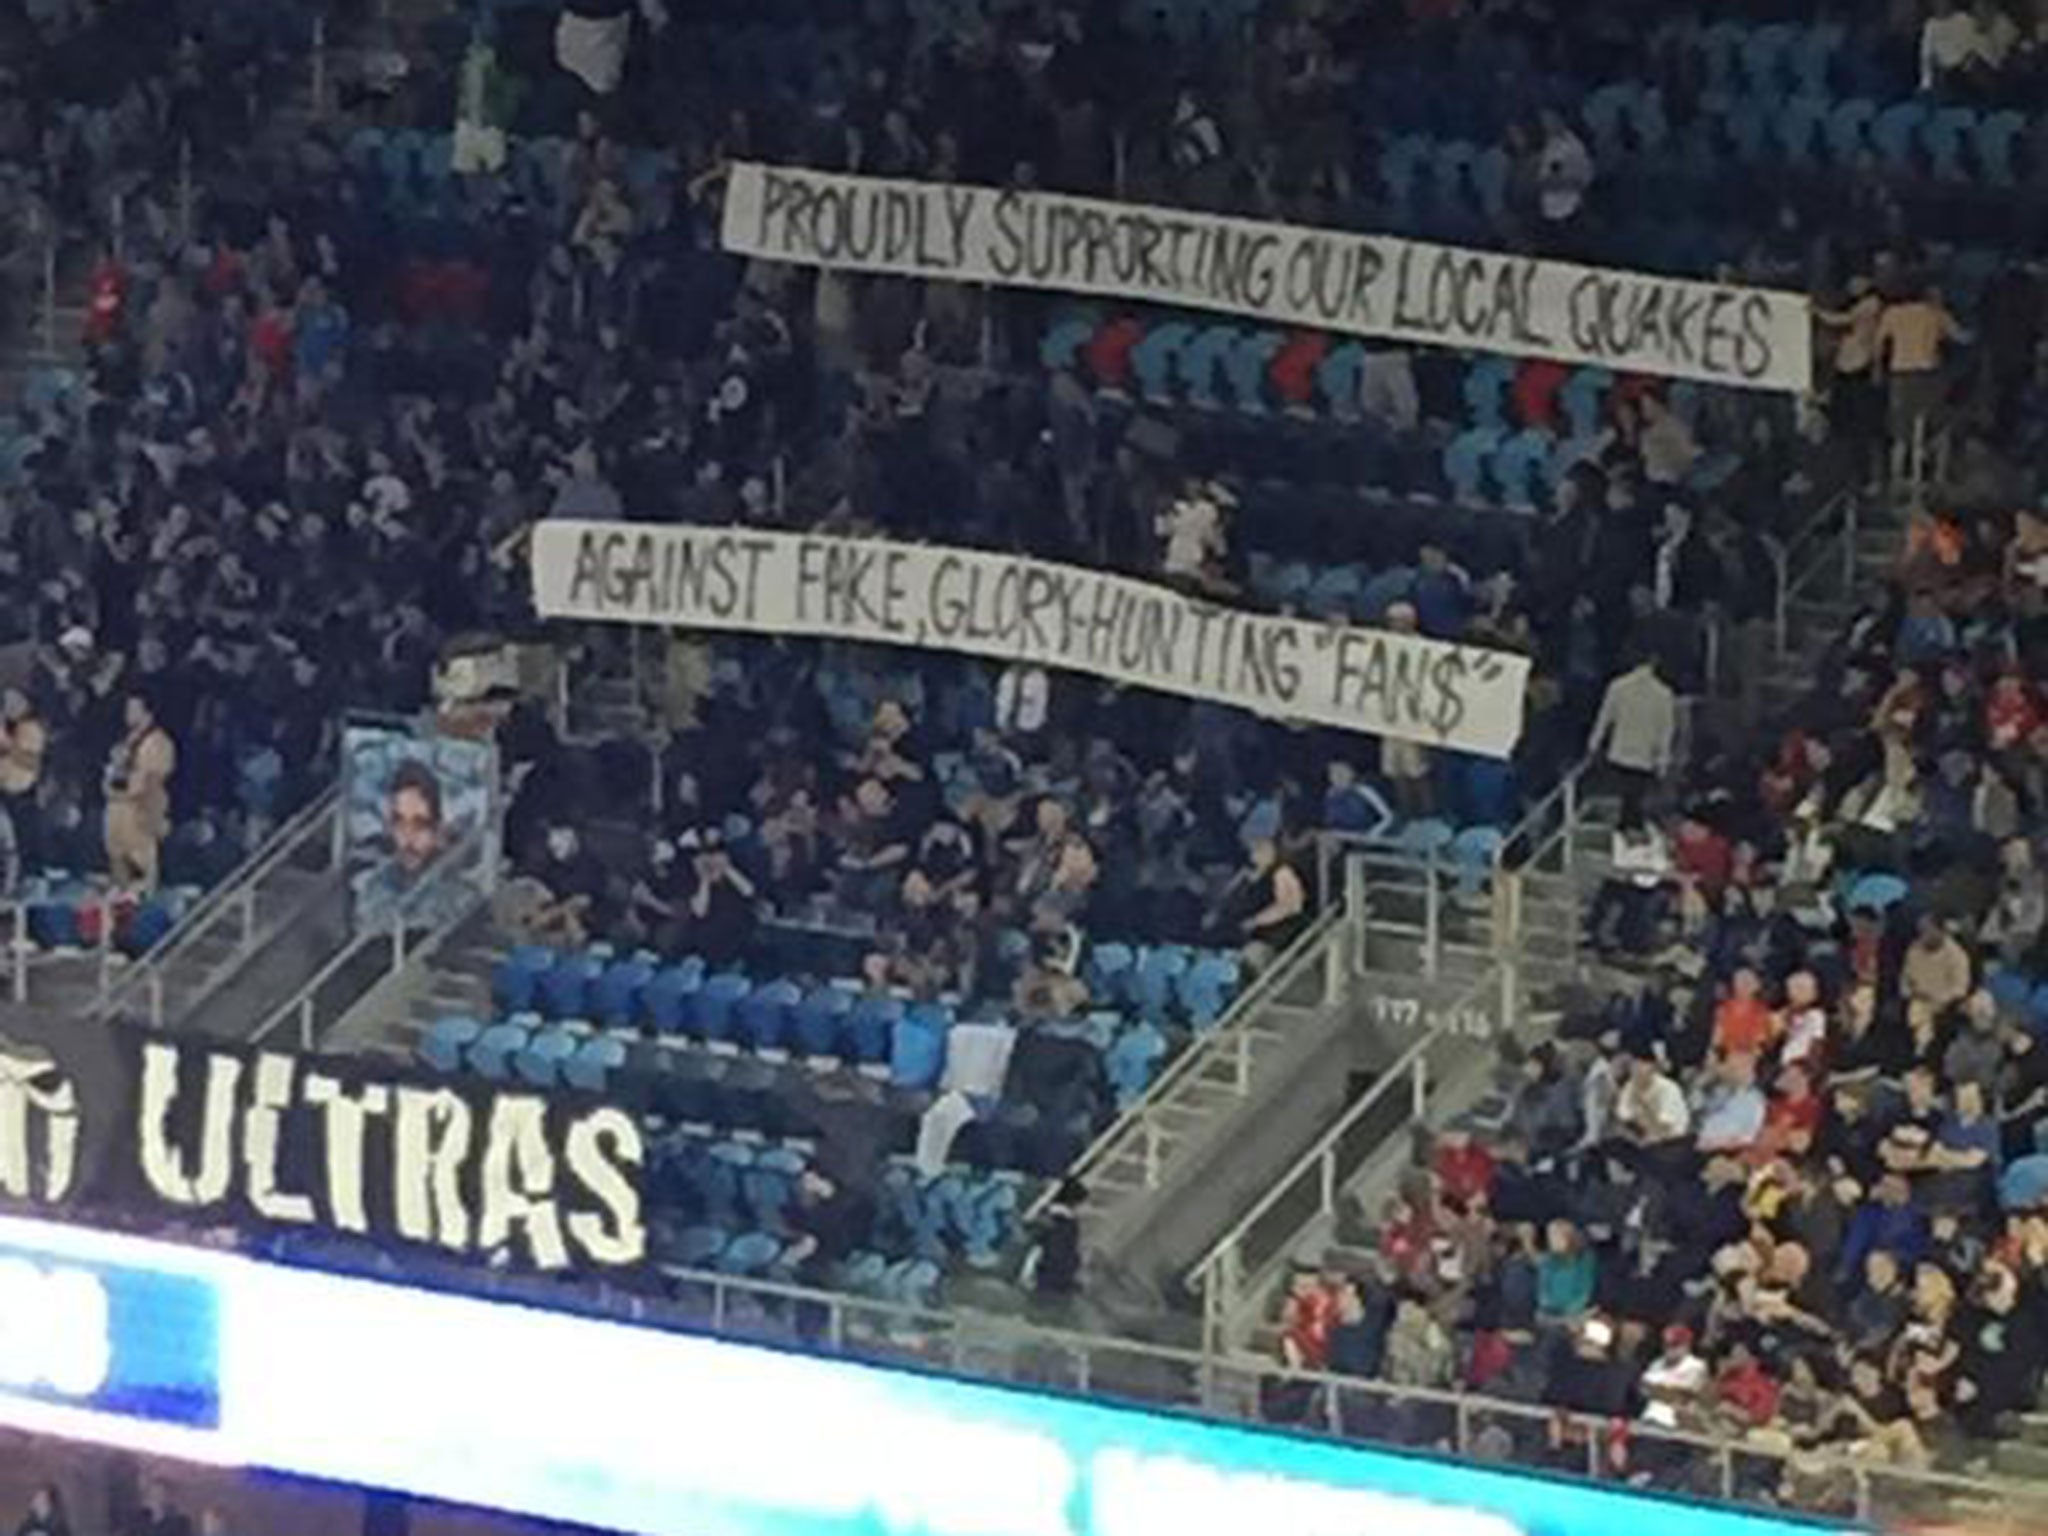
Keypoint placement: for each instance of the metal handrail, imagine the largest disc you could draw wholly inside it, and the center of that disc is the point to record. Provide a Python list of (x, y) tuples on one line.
[(238, 886), (1228, 1034), (301, 1002), (1406, 1072), (1796, 572)]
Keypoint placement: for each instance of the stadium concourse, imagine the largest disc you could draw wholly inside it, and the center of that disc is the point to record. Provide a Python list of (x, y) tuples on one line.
[(877, 942)]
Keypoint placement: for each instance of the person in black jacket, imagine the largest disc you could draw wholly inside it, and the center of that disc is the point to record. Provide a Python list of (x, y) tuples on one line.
[(2004, 1350)]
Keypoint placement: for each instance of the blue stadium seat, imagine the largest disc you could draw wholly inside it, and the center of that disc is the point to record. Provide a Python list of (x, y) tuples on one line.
[(767, 1015), (617, 999), (490, 1055), (713, 1009), (1997, 136), (566, 986), (1895, 134), (870, 1028), (596, 1059), (1200, 363), (1132, 1061), (1945, 133), (820, 1024), (1847, 127), (1107, 971), (1207, 987), (445, 1041), (667, 996), (1464, 461), (1155, 360), (917, 1045), (515, 979), (540, 1061), (1159, 970), (1245, 368)]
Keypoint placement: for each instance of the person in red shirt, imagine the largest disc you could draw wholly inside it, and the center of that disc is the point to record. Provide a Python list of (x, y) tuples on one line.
[(1744, 1024), (1306, 1320), (1703, 854), (106, 299), (2011, 714), (1791, 1121), (1464, 1170), (1746, 1389)]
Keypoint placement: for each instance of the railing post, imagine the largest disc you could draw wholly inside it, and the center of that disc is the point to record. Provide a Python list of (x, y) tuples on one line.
[(1861, 1475), (20, 947), (1084, 1368), (835, 1325), (1432, 920), (1326, 1175), (1462, 1426), (246, 904), (1418, 1086), (1151, 1134), (156, 999), (1357, 912), (1244, 1062), (50, 289), (185, 192), (306, 1023), (1571, 821), (1852, 533), (1781, 601), (717, 1306), (1725, 1461), (117, 225), (319, 66)]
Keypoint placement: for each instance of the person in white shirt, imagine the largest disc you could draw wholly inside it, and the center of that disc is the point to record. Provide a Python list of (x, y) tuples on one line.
[(1193, 526), (1636, 733), (1652, 1111), (1564, 171), (1675, 1383)]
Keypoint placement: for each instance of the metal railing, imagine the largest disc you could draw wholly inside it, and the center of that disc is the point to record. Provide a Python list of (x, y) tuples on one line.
[(1229, 1041), (25, 955), (1822, 549), (1310, 1192), (309, 842), (309, 1005)]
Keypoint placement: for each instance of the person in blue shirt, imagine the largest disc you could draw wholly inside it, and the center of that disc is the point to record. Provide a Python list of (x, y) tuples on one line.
[(1889, 1222), (1442, 595)]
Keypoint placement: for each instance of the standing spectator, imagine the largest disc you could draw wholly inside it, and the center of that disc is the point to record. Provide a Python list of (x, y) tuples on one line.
[(1564, 172), (1635, 734), (138, 778), (1911, 337), (24, 741)]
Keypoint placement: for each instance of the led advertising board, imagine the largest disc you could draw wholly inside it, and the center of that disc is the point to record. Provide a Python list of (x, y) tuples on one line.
[(225, 1359)]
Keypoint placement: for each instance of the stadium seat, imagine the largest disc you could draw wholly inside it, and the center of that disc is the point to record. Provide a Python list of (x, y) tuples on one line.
[(592, 1067), (446, 1041)]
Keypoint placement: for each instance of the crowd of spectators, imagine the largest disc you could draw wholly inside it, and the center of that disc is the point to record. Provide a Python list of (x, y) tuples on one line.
[(1783, 1186)]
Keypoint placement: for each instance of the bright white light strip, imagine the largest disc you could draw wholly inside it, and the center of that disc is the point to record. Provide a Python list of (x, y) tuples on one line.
[(575, 1419)]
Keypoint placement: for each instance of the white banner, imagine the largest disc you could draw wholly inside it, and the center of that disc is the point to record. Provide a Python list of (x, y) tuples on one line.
[(1364, 285), (1011, 608)]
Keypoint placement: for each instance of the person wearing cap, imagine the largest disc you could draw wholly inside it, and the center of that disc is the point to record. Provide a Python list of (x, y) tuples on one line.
[(1674, 1385)]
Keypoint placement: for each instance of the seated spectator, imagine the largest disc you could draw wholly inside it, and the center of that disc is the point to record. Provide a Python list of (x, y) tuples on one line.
[(1674, 1385), (1274, 902), (1630, 905), (1731, 1112), (1565, 1275)]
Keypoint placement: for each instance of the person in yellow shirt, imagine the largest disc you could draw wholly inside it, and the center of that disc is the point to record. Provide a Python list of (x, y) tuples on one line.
[(138, 785)]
